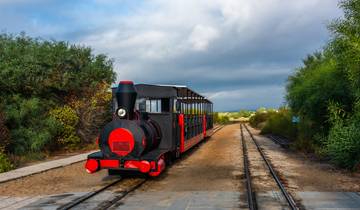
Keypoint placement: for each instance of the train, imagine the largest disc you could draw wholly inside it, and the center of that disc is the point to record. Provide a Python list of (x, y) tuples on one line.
[(151, 125)]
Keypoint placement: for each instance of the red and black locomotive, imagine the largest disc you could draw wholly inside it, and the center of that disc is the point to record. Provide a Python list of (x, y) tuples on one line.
[(151, 124)]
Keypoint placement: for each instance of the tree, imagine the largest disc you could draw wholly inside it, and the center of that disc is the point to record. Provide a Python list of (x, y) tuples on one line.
[(346, 42), (316, 84)]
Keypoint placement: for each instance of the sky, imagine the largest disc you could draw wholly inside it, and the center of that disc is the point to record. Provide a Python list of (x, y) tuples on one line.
[(238, 53)]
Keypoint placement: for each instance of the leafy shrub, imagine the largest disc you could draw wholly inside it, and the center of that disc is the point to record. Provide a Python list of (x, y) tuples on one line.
[(325, 92), (314, 85), (257, 118), (343, 145), (304, 145), (5, 164), (4, 134), (49, 69), (221, 118), (240, 114), (38, 76), (261, 115), (68, 119), (29, 127), (343, 142), (94, 111), (280, 123), (66, 115), (245, 113)]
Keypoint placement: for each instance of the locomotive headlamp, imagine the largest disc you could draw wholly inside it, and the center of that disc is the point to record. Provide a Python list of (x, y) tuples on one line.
[(121, 112)]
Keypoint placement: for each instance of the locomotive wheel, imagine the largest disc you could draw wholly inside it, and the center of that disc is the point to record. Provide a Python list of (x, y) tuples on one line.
[(168, 158)]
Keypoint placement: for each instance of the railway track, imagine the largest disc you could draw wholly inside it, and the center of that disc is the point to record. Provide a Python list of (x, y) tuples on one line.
[(280, 141), (252, 203), (120, 195), (106, 203), (217, 129)]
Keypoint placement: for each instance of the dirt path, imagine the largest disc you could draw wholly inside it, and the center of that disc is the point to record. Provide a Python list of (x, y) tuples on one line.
[(61, 180), (215, 165)]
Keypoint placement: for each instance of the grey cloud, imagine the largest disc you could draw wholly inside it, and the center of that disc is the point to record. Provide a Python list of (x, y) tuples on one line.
[(238, 51)]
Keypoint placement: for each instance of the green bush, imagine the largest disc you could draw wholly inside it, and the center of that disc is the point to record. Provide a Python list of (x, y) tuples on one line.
[(245, 113), (325, 92), (4, 134), (221, 118), (65, 115), (280, 123), (314, 85), (5, 164), (93, 111), (38, 75), (240, 114), (68, 120), (261, 115), (30, 128), (343, 144), (49, 69), (257, 119), (224, 119)]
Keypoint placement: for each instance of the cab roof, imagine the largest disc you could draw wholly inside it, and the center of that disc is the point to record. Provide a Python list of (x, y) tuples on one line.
[(181, 92)]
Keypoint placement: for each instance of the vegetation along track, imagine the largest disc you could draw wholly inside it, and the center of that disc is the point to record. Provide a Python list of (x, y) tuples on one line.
[(114, 184), (251, 198)]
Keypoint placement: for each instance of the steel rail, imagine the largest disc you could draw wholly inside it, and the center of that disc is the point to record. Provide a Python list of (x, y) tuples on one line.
[(217, 129), (105, 204), (287, 195), (250, 196), (281, 142), (87, 196), (108, 204)]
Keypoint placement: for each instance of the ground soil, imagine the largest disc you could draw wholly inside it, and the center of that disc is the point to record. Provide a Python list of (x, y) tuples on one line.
[(71, 178), (303, 174), (215, 165)]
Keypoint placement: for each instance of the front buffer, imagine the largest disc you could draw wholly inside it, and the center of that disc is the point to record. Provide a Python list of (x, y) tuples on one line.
[(127, 145)]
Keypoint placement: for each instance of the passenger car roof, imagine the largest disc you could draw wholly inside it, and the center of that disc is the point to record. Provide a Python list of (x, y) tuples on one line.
[(181, 92)]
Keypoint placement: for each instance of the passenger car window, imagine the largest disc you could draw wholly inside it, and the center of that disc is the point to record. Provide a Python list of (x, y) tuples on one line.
[(152, 105)]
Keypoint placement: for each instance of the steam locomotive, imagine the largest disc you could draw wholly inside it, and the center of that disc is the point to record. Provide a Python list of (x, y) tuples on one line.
[(151, 125)]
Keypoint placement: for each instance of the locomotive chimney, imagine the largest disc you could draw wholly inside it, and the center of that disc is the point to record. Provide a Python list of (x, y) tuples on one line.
[(126, 97)]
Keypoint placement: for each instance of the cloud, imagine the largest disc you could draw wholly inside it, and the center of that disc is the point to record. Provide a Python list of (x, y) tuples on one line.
[(224, 47), (247, 97), (201, 36)]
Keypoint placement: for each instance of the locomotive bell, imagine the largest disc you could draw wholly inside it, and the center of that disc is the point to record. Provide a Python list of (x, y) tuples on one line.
[(126, 97)]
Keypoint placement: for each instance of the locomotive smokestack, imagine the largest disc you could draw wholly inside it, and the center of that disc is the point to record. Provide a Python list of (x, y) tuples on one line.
[(126, 97)]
